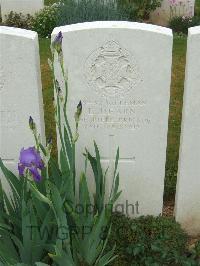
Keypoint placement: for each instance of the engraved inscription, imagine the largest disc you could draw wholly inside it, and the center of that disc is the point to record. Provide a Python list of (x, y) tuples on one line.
[(115, 114), (111, 70)]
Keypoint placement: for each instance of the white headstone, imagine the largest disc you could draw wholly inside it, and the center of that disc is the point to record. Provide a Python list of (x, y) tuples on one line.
[(20, 93), (188, 186), (121, 72), (172, 8), (21, 6)]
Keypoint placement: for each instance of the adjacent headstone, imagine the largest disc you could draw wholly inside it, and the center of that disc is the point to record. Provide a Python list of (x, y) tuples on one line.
[(21, 6), (20, 93), (188, 186), (121, 72), (172, 8)]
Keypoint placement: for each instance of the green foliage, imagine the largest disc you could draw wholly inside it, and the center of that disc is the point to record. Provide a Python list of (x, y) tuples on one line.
[(139, 9), (84, 244), (90, 10), (19, 20), (88, 231), (50, 2), (148, 241), (45, 21), (42, 22), (20, 217), (181, 25), (101, 10), (68, 12), (41, 218), (195, 253)]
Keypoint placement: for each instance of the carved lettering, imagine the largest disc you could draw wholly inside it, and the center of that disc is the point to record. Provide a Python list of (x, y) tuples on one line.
[(116, 114)]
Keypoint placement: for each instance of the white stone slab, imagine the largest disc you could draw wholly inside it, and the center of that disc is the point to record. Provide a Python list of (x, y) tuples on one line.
[(21, 6), (188, 186), (170, 9), (121, 72), (20, 92)]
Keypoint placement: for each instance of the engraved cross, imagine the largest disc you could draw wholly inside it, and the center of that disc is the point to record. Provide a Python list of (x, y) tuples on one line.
[(112, 152), (110, 160), (7, 160)]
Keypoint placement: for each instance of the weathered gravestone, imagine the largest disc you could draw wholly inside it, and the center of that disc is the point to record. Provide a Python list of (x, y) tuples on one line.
[(172, 8), (20, 93), (188, 186), (21, 6), (121, 72)]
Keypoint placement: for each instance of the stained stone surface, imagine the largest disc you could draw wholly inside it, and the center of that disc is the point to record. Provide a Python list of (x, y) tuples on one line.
[(20, 93), (20, 6), (188, 185), (169, 9), (121, 72)]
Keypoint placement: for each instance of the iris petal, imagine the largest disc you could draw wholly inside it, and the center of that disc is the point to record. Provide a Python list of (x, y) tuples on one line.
[(21, 169), (36, 176), (31, 159)]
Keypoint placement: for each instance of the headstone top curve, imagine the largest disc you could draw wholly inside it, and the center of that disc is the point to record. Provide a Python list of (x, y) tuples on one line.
[(194, 30), (112, 25), (18, 32)]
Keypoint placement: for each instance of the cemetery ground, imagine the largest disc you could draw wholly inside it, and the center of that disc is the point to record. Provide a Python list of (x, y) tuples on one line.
[(152, 229), (146, 240)]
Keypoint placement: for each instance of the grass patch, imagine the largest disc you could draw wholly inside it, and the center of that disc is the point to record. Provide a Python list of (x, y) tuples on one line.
[(47, 86), (197, 7), (175, 115), (177, 87)]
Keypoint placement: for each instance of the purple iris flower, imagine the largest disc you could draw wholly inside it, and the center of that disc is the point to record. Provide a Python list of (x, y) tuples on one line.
[(30, 159), (57, 42)]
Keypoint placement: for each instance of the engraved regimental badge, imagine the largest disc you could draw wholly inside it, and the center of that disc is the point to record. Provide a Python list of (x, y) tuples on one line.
[(111, 70)]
